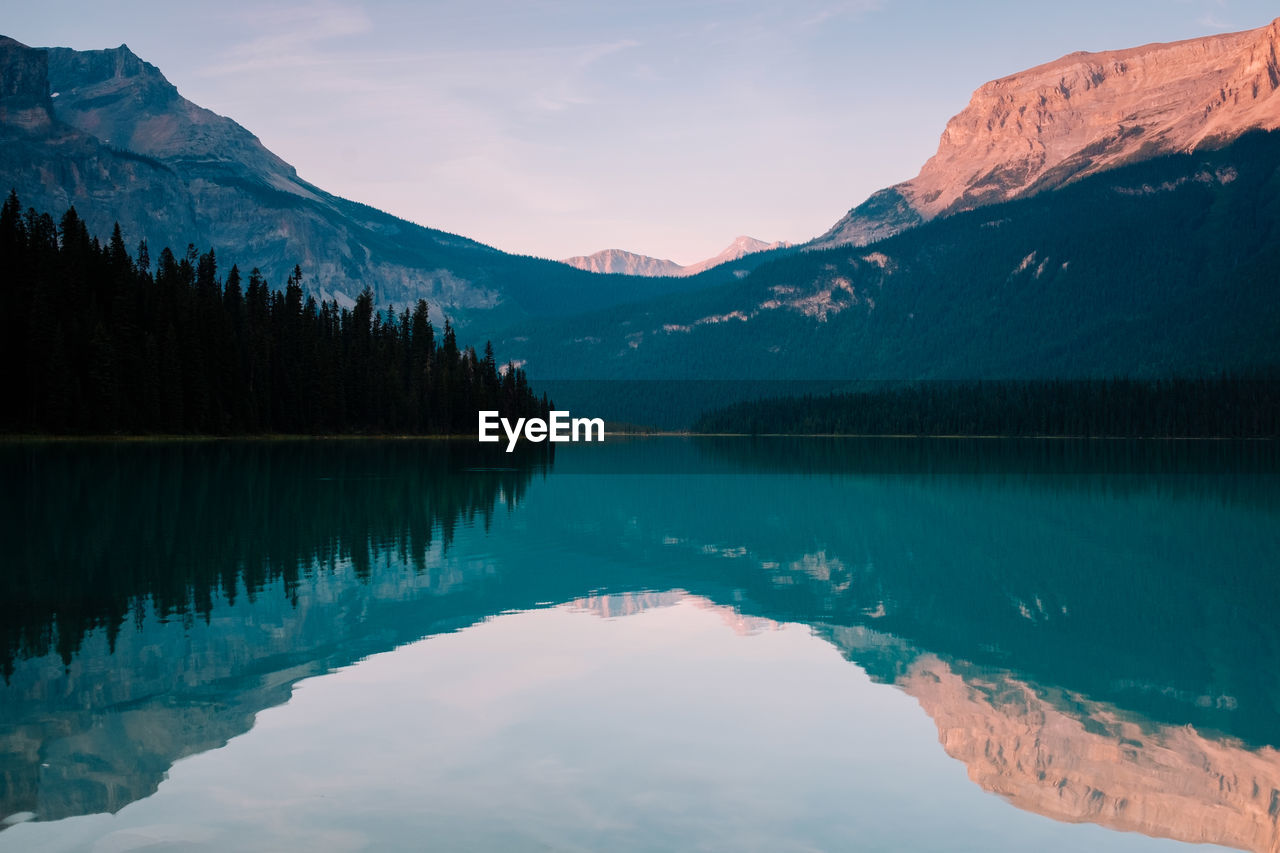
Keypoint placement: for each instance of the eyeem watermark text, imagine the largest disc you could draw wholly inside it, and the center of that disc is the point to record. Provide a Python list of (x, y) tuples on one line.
[(561, 427)]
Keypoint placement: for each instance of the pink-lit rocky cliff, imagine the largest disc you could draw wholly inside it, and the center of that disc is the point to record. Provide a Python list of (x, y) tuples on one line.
[(1079, 115)]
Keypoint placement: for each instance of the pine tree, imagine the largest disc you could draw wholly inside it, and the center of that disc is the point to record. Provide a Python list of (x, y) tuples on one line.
[(105, 345)]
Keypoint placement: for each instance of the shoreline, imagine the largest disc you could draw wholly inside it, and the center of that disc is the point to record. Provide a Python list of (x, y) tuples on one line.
[(282, 437)]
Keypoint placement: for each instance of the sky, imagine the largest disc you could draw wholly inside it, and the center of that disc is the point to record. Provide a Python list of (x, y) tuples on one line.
[(666, 127)]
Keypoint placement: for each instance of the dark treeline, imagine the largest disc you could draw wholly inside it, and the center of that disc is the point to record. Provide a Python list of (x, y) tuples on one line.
[(102, 344), (1209, 407)]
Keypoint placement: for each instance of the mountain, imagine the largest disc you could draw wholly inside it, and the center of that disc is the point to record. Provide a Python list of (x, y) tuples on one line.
[(739, 248), (630, 263), (1078, 116), (105, 131), (1162, 267), (1150, 256), (627, 263)]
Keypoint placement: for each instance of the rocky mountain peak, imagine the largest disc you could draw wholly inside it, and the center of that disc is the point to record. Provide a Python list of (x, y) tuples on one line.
[(129, 104), (740, 247), (630, 263), (623, 262), (1080, 115), (91, 67)]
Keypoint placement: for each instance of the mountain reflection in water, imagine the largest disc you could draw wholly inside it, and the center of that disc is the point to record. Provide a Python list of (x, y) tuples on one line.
[(1090, 625)]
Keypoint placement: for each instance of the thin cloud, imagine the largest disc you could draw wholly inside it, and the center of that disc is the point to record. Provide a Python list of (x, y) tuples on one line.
[(594, 53), (294, 36), (1215, 15), (836, 11), (567, 90)]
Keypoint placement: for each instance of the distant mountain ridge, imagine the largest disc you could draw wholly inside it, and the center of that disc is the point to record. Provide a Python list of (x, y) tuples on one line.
[(1161, 268), (631, 263), (620, 261), (1080, 115)]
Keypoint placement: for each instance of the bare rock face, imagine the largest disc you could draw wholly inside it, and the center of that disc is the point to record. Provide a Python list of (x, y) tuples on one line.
[(630, 263), (624, 263), (129, 104), (105, 131), (1080, 115), (24, 89)]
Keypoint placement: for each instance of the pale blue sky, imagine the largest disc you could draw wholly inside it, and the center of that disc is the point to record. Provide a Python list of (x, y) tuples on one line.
[(557, 128)]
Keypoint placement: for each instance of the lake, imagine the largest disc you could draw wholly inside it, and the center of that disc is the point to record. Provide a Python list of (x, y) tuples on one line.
[(651, 644)]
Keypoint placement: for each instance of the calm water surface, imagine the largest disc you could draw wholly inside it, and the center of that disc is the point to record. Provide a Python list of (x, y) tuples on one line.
[(657, 644)]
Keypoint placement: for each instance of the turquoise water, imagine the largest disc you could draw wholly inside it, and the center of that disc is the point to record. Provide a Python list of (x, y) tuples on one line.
[(786, 644)]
